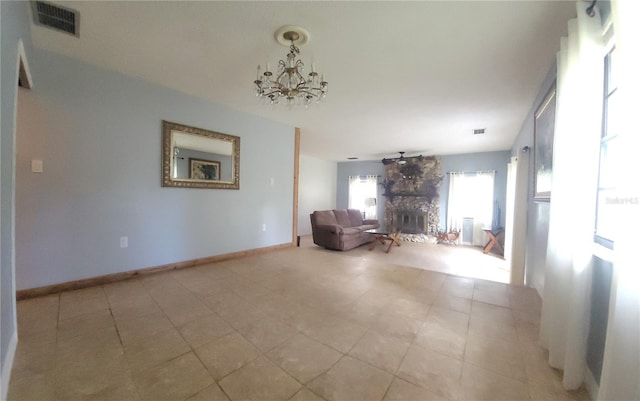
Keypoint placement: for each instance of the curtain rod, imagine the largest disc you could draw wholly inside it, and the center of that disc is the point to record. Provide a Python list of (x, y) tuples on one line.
[(590, 12)]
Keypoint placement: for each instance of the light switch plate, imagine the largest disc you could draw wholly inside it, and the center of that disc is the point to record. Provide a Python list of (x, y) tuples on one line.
[(37, 166)]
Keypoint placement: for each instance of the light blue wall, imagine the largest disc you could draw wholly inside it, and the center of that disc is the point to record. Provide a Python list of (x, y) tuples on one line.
[(472, 162), (538, 212), (605, 10), (99, 135), (14, 20), (346, 169)]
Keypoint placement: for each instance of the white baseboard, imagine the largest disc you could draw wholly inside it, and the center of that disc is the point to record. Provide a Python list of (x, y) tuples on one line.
[(7, 365), (591, 385)]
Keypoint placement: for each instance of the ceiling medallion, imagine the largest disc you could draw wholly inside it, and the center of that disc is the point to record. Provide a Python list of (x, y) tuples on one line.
[(289, 83)]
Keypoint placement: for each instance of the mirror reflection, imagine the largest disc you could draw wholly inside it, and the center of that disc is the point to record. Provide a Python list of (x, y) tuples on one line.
[(198, 158)]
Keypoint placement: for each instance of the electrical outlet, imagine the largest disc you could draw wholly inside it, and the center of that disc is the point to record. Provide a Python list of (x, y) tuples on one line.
[(37, 166), (124, 242), (264, 227)]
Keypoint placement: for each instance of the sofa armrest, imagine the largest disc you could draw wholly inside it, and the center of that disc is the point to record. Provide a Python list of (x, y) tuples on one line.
[(332, 228), (370, 222)]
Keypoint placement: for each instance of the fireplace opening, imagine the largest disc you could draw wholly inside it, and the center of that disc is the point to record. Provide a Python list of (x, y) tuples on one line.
[(411, 221)]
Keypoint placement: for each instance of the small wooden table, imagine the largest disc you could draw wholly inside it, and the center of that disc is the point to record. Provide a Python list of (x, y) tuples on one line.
[(383, 234), (495, 237)]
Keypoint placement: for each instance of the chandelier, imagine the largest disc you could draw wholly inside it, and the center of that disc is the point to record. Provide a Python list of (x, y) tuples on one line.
[(288, 82)]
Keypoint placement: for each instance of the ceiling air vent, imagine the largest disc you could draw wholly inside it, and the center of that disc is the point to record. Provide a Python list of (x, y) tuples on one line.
[(478, 131), (56, 17)]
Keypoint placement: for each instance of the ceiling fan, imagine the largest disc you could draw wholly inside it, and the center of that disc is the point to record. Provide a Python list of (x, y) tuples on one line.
[(400, 160)]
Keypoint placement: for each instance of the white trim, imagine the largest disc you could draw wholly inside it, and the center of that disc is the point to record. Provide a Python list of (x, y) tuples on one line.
[(591, 385), (8, 365), (22, 59), (608, 35), (602, 252)]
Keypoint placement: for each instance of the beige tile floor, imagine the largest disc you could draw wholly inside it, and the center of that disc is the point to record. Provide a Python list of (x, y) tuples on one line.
[(458, 260), (295, 324)]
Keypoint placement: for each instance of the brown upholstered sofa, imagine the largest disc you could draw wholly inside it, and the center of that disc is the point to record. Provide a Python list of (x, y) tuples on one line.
[(341, 229)]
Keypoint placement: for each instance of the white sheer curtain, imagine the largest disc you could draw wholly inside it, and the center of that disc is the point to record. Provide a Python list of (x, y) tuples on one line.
[(362, 194), (455, 204), (620, 378), (565, 312), (471, 196), (482, 204)]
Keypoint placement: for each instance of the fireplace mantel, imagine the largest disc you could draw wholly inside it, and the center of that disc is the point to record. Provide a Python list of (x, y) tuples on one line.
[(392, 195)]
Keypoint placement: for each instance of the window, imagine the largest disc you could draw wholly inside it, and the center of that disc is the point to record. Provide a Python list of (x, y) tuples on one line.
[(609, 156), (362, 195), (471, 200)]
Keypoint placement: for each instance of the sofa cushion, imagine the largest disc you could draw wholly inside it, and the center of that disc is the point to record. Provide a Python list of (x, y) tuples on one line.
[(342, 217), (366, 227), (330, 228), (355, 216), (325, 217)]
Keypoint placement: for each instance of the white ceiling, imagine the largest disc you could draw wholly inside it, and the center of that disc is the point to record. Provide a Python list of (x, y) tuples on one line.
[(410, 76)]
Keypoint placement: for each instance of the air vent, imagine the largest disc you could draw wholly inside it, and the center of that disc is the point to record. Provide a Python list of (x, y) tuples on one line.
[(352, 158), (56, 17), (478, 131)]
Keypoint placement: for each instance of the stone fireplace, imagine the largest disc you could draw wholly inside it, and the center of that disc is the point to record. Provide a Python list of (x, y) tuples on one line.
[(412, 193)]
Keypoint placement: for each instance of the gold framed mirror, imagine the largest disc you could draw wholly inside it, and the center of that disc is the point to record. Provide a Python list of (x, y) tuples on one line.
[(198, 158)]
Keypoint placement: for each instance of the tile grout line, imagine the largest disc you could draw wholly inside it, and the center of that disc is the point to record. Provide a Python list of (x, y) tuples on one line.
[(263, 353)]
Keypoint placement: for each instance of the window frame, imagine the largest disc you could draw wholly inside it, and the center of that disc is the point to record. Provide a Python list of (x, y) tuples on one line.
[(605, 137)]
